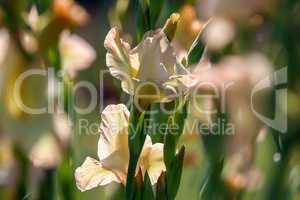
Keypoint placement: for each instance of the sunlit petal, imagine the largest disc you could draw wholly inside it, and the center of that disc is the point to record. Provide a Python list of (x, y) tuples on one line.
[(157, 165), (113, 131), (91, 174)]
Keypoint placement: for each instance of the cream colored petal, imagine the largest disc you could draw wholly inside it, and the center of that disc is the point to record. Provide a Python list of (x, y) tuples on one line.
[(143, 162), (150, 55), (113, 131), (156, 162), (148, 142), (118, 57), (122, 65), (168, 57), (91, 174), (76, 53), (128, 84), (159, 65), (118, 163), (151, 160)]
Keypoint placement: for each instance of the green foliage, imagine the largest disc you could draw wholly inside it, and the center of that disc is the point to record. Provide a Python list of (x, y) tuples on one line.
[(157, 117), (143, 20), (212, 186), (155, 7), (173, 161), (161, 187), (174, 131), (148, 193), (148, 12), (196, 50), (136, 139), (174, 171), (42, 5)]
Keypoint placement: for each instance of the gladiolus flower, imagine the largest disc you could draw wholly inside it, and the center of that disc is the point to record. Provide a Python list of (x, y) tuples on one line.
[(113, 153), (151, 68)]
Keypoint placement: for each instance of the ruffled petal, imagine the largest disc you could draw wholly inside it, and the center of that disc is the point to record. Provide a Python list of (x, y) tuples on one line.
[(91, 174), (113, 132), (152, 63), (122, 65), (154, 58), (118, 57)]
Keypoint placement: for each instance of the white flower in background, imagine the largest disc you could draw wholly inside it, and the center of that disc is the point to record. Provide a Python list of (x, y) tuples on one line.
[(151, 68), (62, 127), (67, 12), (219, 33), (75, 52), (234, 78), (46, 152), (113, 153), (231, 82)]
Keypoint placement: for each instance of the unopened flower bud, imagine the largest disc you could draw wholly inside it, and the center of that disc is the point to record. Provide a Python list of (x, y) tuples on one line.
[(170, 26)]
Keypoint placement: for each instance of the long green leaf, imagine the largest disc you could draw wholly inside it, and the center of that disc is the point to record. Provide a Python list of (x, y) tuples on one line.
[(136, 139), (148, 193), (155, 10), (174, 174)]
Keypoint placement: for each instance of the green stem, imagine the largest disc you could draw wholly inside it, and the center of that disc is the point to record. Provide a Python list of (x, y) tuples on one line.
[(47, 191)]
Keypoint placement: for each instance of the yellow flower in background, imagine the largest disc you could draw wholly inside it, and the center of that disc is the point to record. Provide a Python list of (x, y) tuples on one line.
[(151, 68), (188, 27), (69, 12), (13, 64), (113, 153)]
